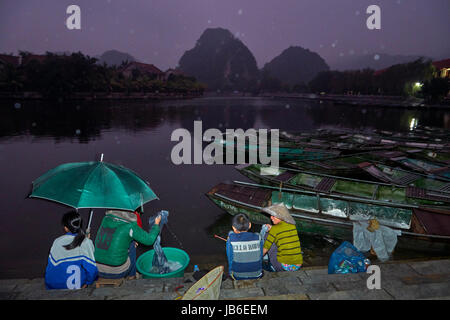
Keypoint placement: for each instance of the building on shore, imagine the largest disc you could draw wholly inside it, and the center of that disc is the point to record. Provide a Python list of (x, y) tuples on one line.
[(442, 68), (142, 68)]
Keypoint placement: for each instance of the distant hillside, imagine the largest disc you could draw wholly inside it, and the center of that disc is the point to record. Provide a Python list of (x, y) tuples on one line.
[(296, 65), (370, 61), (221, 61), (114, 58)]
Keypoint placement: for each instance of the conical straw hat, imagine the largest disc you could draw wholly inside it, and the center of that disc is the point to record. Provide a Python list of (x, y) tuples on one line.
[(280, 211)]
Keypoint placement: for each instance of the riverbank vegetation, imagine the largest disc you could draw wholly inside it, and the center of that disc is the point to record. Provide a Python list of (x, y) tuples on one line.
[(417, 78), (58, 76)]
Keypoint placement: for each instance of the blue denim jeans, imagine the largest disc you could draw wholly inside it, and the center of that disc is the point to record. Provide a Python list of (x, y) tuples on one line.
[(131, 270)]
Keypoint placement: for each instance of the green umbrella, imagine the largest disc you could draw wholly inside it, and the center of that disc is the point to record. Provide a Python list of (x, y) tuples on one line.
[(94, 184)]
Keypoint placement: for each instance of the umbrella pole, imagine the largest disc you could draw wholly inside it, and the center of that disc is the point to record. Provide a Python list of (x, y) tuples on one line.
[(88, 230)]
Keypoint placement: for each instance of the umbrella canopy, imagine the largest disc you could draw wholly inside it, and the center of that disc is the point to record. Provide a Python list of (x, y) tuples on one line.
[(94, 184)]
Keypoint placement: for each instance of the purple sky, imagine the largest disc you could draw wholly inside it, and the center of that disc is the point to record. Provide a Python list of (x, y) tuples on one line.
[(159, 31)]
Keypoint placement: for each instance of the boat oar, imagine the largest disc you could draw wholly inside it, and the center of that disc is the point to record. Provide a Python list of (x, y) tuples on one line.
[(216, 236)]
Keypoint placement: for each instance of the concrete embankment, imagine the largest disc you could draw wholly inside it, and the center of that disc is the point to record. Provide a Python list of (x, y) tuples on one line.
[(399, 281)]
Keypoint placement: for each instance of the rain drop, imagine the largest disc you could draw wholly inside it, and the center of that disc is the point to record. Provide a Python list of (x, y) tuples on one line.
[(17, 105), (78, 132)]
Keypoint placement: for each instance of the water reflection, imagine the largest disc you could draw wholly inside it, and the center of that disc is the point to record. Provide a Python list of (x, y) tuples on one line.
[(37, 136), (85, 121)]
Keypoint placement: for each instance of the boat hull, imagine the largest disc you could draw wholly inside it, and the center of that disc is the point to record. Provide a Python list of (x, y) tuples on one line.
[(335, 228)]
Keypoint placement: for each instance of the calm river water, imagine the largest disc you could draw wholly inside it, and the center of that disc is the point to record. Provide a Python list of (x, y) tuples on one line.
[(35, 137)]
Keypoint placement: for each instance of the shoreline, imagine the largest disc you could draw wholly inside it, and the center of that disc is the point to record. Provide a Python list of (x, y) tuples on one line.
[(352, 100), (400, 280), (363, 100), (100, 96)]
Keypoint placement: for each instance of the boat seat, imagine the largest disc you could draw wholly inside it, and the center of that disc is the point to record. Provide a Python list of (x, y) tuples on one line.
[(244, 194), (325, 185), (414, 192), (445, 188), (406, 179)]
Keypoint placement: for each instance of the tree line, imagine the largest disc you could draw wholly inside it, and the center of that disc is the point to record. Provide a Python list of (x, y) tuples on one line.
[(65, 75), (417, 78)]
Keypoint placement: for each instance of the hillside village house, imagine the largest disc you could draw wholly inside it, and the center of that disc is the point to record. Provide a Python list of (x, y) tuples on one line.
[(442, 68), (143, 68), (148, 69)]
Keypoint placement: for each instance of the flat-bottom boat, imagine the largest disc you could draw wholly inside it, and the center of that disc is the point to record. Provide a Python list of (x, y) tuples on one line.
[(325, 215)]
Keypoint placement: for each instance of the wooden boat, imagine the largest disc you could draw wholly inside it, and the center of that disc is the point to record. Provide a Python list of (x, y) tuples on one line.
[(368, 141), (323, 214), (397, 176), (349, 165), (418, 165), (374, 171), (346, 143), (436, 156), (339, 166), (286, 150), (361, 190)]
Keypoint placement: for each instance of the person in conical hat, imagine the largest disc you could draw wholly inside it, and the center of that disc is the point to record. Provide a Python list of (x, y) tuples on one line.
[(282, 243), (280, 211)]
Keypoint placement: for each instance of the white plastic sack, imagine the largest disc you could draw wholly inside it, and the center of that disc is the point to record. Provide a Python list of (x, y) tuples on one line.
[(383, 240)]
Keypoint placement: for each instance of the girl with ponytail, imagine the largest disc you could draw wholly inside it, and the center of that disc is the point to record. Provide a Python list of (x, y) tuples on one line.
[(72, 223), (71, 263)]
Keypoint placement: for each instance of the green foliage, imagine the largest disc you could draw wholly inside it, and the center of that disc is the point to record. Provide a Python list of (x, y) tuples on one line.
[(337, 82), (400, 79), (436, 89), (397, 80), (269, 83), (63, 75)]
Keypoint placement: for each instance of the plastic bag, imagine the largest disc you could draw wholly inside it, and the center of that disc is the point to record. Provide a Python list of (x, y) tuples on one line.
[(347, 259), (383, 240)]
